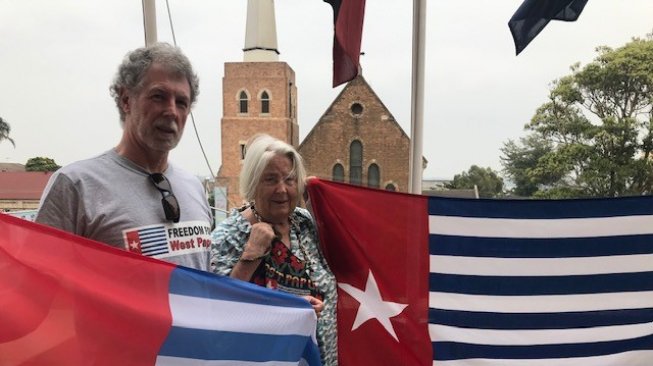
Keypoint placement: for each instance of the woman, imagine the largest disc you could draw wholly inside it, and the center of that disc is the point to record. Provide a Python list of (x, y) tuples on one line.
[(272, 242)]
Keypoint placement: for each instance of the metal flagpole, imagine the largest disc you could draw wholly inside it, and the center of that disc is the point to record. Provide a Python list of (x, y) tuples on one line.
[(417, 97), (149, 21)]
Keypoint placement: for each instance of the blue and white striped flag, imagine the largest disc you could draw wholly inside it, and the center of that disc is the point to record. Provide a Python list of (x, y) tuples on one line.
[(541, 282), (458, 282), (221, 321)]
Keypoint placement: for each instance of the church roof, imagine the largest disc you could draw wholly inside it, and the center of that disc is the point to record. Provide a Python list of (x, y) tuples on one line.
[(356, 82), (23, 185)]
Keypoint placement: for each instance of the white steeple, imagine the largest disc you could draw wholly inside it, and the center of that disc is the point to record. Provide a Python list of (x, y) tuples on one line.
[(261, 32)]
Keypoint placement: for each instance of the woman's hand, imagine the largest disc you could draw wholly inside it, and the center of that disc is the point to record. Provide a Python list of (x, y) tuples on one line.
[(317, 304), (260, 239)]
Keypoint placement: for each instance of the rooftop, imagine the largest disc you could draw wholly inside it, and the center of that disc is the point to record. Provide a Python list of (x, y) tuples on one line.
[(22, 185), (12, 167)]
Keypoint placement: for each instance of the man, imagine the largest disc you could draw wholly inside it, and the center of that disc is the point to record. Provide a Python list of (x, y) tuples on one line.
[(124, 197)]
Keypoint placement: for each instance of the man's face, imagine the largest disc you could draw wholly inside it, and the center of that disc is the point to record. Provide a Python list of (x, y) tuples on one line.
[(155, 115)]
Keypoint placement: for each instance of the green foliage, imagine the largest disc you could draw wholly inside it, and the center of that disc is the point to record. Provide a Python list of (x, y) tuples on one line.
[(41, 164), (593, 137), (520, 162), (4, 132), (488, 182)]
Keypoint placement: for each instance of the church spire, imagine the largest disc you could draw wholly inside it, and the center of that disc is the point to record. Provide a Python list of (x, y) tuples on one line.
[(261, 32)]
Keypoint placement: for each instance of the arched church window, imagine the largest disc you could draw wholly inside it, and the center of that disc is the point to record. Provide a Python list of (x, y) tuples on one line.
[(265, 102), (244, 102), (356, 162), (338, 173), (373, 175)]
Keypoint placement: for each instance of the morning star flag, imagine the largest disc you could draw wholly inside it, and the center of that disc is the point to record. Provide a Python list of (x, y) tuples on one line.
[(459, 282), (66, 300), (533, 15), (348, 31)]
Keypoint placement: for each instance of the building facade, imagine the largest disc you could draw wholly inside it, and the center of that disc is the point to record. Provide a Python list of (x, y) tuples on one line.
[(358, 141), (21, 190), (257, 97)]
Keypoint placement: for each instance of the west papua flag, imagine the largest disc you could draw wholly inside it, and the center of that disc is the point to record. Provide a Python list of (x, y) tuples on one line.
[(149, 240), (533, 15), (67, 300), (348, 31), (461, 282)]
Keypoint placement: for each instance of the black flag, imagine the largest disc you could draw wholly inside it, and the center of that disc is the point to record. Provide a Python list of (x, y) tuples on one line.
[(533, 15)]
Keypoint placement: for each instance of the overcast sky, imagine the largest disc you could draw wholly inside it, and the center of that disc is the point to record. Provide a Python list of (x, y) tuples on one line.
[(58, 58)]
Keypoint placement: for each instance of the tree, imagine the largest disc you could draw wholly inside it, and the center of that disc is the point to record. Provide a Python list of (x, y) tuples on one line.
[(4, 132), (520, 161), (489, 183), (41, 164), (594, 135)]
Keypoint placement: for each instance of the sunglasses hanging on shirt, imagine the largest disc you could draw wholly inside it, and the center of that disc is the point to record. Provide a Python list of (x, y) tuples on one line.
[(168, 200)]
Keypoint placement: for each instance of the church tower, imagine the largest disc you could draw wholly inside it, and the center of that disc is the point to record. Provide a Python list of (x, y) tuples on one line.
[(259, 95)]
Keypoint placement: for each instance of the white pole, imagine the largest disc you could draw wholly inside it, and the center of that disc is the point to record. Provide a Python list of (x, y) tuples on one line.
[(149, 21), (417, 97)]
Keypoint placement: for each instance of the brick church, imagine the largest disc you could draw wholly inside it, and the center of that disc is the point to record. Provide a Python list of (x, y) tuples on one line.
[(357, 140)]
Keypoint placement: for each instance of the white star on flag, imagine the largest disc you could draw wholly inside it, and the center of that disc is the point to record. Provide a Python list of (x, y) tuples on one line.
[(133, 244), (372, 305)]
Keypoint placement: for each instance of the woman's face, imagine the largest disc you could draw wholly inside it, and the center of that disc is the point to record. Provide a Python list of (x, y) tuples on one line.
[(276, 192)]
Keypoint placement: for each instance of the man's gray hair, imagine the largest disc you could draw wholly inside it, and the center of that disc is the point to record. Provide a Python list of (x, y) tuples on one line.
[(137, 62), (260, 150)]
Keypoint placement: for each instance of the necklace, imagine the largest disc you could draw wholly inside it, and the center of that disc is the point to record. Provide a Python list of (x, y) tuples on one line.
[(309, 262)]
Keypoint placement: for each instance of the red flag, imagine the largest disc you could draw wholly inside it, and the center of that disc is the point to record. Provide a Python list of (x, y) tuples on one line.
[(348, 30), (67, 300), (60, 294), (382, 282)]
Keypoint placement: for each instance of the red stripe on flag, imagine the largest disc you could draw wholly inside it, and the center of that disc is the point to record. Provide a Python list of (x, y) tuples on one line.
[(67, 300), (365, 231)]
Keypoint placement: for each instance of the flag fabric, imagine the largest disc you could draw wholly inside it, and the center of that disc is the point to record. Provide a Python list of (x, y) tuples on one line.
[(533, 15), (67, 300), (463, 282), (348, 31)]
